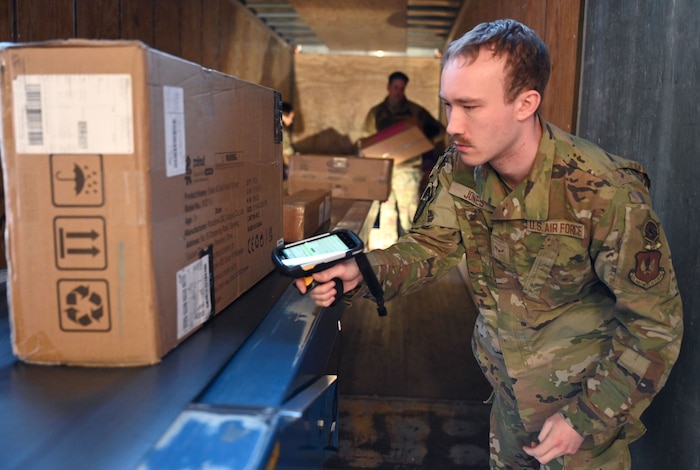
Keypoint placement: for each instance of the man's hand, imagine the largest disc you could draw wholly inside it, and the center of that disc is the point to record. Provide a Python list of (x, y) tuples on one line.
[(556, 438), (324, 293)]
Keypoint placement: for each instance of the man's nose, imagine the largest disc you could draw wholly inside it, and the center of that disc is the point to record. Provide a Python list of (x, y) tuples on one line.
[(455, 126)]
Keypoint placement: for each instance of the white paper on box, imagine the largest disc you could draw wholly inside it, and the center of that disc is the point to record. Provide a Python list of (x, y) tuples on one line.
[(174, 112), (77, 114), (193, 296)]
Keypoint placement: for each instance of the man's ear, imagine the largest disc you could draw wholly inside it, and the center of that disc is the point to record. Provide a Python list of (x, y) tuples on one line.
[(527, 104)]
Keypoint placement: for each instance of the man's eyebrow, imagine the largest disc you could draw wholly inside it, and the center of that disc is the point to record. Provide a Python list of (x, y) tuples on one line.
[(465, 100)]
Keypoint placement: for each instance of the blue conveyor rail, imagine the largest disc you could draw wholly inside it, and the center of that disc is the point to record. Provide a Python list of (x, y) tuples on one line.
[(74, 417), (248, 390)]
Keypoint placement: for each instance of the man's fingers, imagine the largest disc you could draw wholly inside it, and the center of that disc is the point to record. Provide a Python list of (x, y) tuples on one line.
[(301, 285), (557, 438), (544, 432), (324, 294), (549, 456)]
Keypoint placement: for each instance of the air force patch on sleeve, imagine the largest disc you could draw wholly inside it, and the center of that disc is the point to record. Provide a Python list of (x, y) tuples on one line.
[(648, 271)]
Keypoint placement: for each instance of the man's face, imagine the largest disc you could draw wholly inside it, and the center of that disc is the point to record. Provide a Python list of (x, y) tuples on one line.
[(397, 91), (481, 124), (288, 118)]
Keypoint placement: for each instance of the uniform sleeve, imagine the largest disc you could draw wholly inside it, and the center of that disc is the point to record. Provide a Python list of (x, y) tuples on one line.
[(430, 249), (632, 258)]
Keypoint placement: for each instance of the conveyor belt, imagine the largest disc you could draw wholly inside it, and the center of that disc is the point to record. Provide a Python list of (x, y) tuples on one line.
[(72, 417), (251, 362)]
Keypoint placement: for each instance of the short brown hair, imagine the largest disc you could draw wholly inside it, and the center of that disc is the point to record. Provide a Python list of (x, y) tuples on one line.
[(398, 75), (527, 57)]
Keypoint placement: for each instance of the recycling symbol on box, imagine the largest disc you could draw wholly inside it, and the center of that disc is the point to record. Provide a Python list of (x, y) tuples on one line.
[(84, 305)]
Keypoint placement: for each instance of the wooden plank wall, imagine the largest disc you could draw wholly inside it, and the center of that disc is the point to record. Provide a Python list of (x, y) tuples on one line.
[(559, 24), (332, 93), (219, 34)]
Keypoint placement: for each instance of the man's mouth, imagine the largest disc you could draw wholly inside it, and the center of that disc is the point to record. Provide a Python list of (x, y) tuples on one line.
[(462, 145)]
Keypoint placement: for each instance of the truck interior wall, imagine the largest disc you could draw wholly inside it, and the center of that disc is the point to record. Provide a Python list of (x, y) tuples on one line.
[(639, 98), (334, 92), (558, 23), (219, 34), (224, 35)]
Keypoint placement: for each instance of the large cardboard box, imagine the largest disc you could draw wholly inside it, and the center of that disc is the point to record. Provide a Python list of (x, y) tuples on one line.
[(143, 196), (305, 213), (401, 142), (346, 176)]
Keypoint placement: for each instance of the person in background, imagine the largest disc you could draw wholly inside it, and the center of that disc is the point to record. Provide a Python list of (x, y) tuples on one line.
[(396, 213), (580, 318), (287, 127)]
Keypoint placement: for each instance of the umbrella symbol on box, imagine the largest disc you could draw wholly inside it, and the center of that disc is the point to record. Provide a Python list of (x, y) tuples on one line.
[(77, 180), (81, 177)]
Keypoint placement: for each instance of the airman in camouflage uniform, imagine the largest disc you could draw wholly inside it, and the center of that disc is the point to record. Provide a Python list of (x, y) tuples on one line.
[(398, 210), (580, 319)]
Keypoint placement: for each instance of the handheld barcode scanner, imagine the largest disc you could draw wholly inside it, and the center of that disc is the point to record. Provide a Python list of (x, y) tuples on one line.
[(320, 252), (305, 257)]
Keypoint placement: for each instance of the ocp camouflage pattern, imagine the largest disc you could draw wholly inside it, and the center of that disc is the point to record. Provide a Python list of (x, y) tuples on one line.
[(571, 273)]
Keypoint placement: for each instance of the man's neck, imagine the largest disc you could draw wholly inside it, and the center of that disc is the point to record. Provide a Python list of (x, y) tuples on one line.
[(514, 169)]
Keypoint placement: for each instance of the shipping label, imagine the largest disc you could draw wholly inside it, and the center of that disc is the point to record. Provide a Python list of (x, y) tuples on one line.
[(79, 114), (194, 302)]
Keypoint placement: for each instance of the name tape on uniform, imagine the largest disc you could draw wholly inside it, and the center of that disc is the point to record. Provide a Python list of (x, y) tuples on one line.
[(557, 227), (553, 227)]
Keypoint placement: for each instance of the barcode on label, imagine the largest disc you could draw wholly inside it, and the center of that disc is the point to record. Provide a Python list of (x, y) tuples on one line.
[(194, 302), (185, 312), (82, 134), (35, 130)]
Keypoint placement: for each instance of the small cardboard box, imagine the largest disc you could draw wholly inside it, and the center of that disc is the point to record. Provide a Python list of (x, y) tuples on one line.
[(346, 176), (305, 213), (143, 196), (400, 142)]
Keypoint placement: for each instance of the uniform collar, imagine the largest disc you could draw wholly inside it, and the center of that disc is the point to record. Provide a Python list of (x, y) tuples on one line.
[(530, 199)]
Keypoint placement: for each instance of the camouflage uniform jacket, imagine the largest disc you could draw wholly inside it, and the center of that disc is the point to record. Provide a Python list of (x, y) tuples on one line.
[(571, 274)]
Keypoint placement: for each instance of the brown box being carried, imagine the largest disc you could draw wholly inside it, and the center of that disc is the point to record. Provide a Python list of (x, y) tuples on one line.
[(305, 213), (143, 196), (346, 176), (400, 142)]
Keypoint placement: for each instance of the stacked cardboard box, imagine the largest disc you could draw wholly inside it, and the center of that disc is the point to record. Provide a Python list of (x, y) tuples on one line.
[(305, 213), (143, 196), (346, 176)]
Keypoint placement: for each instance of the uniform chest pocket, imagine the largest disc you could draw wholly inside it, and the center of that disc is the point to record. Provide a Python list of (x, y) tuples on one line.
[(560, 272)]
